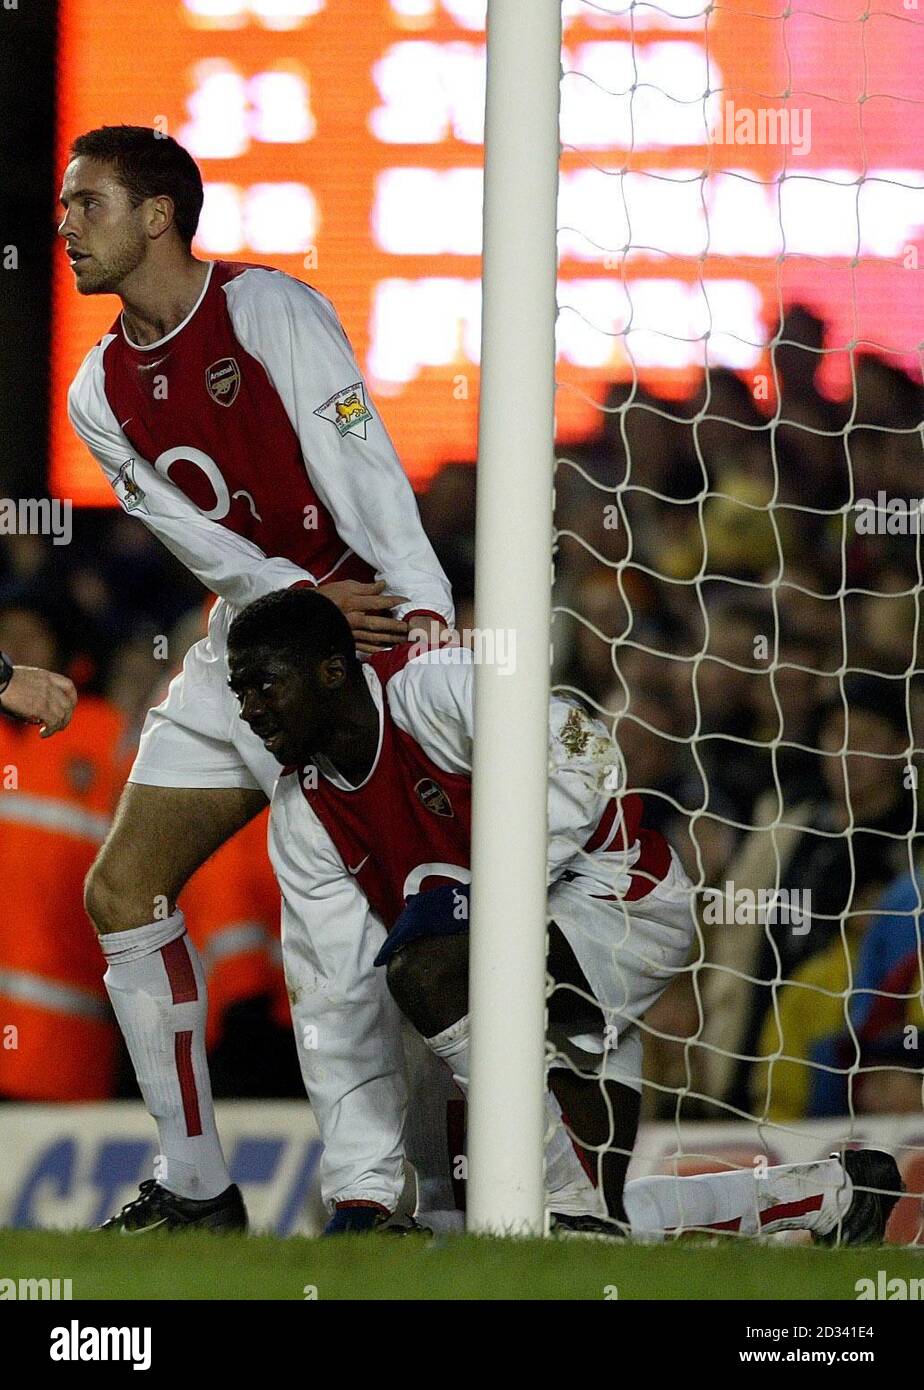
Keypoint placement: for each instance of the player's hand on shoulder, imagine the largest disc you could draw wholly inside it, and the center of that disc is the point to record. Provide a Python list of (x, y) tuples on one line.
[(367, 608), (40, 697)]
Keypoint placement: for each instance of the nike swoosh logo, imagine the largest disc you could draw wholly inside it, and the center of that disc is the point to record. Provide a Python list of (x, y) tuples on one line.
[(358, 866), (144, 1229), (126, 422)]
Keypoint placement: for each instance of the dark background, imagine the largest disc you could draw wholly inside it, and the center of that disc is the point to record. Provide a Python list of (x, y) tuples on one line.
[(27, 173)]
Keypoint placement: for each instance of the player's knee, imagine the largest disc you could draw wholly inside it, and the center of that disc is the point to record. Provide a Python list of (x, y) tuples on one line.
[(428, 980), (115, 900), (100, 897), (409, 978)]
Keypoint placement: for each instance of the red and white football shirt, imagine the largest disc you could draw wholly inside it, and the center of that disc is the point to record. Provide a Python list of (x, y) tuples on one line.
[(247, 442), (407, 827)]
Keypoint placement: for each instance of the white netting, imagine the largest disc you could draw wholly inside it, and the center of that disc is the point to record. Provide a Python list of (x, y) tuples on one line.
[(738, 554)]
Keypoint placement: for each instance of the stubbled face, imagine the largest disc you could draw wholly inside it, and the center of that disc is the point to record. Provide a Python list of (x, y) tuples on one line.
[(287, 708), (103, 234)]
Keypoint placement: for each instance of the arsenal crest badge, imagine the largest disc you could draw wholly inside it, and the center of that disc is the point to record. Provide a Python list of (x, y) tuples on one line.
[(433, 797), (223, 380)]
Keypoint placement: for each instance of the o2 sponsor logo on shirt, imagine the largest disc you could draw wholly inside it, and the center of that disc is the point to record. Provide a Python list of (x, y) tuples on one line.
[(132, 497)]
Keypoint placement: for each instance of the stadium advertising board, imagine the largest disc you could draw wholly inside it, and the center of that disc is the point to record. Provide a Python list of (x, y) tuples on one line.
[(73, 1165), (341, 140)]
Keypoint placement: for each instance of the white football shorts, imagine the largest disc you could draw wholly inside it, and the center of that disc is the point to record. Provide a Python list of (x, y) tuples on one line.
[(195, 737), (629, 953)]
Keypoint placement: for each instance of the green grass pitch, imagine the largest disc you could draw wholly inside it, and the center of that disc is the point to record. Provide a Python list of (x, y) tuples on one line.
[(199, 1266)]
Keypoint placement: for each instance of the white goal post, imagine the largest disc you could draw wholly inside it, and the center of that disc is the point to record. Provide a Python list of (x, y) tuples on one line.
[(505, 1190)]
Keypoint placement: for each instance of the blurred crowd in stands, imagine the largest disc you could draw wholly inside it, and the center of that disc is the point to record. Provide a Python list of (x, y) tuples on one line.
[(755, 651)]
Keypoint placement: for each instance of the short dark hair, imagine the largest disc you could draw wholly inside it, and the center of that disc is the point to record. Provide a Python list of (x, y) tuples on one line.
[(300, 625), (149, 164)]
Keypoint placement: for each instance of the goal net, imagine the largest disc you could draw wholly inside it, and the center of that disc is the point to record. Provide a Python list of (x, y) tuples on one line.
[(738, 563)]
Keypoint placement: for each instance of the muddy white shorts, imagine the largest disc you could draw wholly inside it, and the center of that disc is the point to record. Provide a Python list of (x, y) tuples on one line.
[(629, 953)]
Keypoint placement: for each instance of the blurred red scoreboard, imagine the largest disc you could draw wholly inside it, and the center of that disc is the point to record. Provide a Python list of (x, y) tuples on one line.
[(341, 140)]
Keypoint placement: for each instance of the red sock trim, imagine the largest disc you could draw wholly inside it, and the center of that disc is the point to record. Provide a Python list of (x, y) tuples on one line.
[(182, 1052), (587, 1160), (180, 973)]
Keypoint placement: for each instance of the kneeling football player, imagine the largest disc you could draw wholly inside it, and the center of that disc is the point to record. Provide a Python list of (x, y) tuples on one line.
[(370, 838)]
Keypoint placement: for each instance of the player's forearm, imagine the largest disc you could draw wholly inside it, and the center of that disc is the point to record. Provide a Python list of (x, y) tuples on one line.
[(430, 601), (227, 564), (237, 579), (413, 571)]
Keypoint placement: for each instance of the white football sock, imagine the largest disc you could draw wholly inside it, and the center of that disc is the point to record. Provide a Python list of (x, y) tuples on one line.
[(434, 1106), (452, 1046), (157, 988), (568, 1188), (791, 1197)]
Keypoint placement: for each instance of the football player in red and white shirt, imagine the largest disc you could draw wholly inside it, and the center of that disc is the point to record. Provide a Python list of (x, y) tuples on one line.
[(370, 837), (227, 410)]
